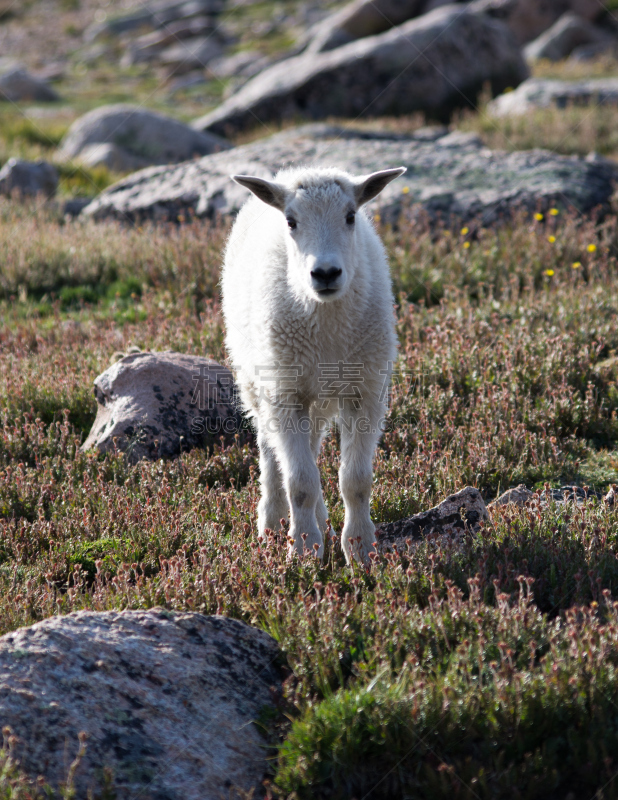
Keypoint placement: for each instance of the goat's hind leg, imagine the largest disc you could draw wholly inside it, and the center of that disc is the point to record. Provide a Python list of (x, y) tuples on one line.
[(273, 505)]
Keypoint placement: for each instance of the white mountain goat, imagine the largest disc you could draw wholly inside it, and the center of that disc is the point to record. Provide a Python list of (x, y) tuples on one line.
[(310, 330)]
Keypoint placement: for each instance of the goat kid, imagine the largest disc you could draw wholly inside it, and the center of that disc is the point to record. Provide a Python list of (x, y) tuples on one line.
[(310, 330)]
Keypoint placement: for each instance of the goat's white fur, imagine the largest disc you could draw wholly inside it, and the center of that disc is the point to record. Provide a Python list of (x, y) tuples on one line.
[(281, 325)]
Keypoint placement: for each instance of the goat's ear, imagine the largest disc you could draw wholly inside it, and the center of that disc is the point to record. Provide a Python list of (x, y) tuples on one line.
[(268, 191), (367, 187)]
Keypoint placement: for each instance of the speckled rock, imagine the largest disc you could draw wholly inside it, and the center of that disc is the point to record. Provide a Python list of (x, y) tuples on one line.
[(167, 699), (146, 135), (434, 63), (157, 405), (452, 517), (546, 93), (448, 175)]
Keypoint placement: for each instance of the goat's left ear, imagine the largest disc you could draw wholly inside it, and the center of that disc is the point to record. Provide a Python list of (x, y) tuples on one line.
[(267, 191), (367, 187)]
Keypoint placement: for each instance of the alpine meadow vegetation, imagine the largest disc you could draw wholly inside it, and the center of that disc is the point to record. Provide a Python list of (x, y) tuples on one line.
[(480, 669), (484, 668)]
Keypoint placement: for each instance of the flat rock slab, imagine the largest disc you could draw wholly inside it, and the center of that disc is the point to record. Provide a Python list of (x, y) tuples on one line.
[(457, 514), (448, 175), (157, 405), (537, 93), (168, 701)]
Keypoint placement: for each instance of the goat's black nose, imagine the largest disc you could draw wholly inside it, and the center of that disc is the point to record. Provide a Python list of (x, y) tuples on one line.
[(326, 276)]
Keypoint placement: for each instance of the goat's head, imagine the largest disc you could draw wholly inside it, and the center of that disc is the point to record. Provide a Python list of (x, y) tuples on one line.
[(320, 208)]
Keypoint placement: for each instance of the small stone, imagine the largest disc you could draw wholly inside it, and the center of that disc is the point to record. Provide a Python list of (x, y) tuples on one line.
[(28, 178), (454, 516), (75, 205), (155, 405), (538, 93), (518, 496), (528, 19), (569, 32), (190, 54), (17, 85)]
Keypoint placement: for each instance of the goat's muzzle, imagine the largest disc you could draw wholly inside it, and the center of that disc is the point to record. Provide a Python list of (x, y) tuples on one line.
[(325, 280)]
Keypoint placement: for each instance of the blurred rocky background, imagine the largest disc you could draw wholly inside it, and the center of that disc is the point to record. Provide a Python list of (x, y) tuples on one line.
[(99, 89)]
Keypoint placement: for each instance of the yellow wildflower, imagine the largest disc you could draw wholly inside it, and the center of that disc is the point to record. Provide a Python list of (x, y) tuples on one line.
[(554, 212), (576, 264), (466, 245), (464, 231), (538, 217), (405, 189), (549, 272), (551, 239), (591, 248)]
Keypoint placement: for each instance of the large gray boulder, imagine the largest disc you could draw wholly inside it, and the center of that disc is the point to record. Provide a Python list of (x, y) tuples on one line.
[(564, 36), (528, 19), (28, 178), (359, 19), (157, 405), (167, 700), (17, 85), (147, 135), (538, 93), (448, 174), (433, 64)]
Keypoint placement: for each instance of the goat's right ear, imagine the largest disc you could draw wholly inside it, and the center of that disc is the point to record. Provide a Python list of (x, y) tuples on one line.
[(267, 191)]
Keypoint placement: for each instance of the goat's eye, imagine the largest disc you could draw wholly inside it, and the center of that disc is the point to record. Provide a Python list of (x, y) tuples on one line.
[(291, 223), (350, 218)]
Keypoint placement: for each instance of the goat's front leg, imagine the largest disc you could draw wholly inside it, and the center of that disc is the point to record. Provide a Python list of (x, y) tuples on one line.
[(273, 505), (360, 433), (301, 479)]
